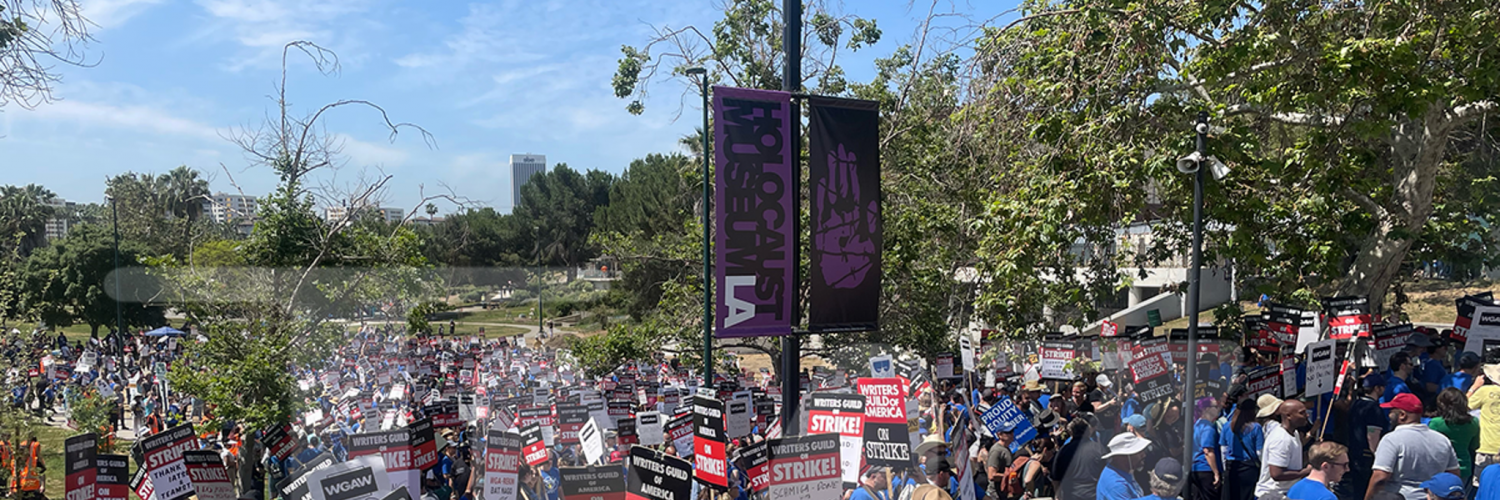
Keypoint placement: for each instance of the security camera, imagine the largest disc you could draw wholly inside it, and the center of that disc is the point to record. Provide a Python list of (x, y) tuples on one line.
[(1189, 164)]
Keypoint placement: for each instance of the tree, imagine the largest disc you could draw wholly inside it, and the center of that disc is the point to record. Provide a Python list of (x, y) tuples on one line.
[(34, 34), (1338, 123), (24, 212), (478, 247), (744, 51), (72, 281), (557, 211), (165, 212), (301, 268)]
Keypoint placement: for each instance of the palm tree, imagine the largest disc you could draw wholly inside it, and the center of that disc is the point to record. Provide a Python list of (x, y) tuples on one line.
[(693, 143), (23, 213)]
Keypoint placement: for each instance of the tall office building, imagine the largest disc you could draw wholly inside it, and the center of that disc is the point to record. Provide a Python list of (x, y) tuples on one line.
[(522, 167), (62, 218)]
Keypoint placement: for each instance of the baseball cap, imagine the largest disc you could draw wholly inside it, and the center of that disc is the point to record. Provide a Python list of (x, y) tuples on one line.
[(1374, 379), (1406, 402), (943, 466), (1445, 485), (1137, 420), (1168, 469)]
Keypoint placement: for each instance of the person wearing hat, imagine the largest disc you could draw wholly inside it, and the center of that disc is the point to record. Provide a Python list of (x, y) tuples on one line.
[(1116, 481), (1396, 378), (1166, 480), (1281, 459), (1444, 486), (1411, 453), (871, 483), (1328, 462), (999, 459), (1367, 422), (939, 475), (1484, 396)]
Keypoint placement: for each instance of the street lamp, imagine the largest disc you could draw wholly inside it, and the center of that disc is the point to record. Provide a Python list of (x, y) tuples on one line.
[(1193, 164), (115, 218), (708, 314)]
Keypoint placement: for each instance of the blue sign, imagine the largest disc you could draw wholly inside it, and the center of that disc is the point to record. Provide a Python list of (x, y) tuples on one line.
[(1005, 415)]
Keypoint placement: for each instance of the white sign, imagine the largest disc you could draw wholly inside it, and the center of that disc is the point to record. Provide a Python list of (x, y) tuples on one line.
[(360, 477), (648, 428), (882, 366), (1321, 367), (592, 438), (737, 418), (967, 350), (1485, 325)]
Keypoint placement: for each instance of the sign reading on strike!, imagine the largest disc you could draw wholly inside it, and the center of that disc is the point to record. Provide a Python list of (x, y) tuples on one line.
[(82, 471), (842, 414), (113, 477), (570, 420), (886, 440), (1348, 317), (423, 444), (656, 476), (210, 480), (592, 483), (805, 468), (711, 464), (502, 463), (755, 461), (532, 448)]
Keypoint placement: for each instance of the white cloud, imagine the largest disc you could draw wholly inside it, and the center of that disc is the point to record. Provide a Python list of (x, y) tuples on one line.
[(368, 154), (129, 117), (262, 27), (108, 14)]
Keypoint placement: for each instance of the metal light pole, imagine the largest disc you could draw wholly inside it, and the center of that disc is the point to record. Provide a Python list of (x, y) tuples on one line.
[(1194, 290), (708, 301), (791, 345), (119, 316)]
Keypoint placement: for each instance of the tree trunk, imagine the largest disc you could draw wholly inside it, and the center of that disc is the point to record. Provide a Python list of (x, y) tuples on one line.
[(1416, 150), (93, 330)]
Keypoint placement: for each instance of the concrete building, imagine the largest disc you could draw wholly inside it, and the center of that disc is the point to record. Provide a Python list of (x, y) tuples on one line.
[(61, 220), (522, 167)]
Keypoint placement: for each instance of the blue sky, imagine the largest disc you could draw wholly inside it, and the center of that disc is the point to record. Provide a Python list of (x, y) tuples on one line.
[(489, 79)]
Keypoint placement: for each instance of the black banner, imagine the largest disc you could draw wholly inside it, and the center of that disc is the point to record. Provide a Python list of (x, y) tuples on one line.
[(586, 483), (843, 172), (656, 476)]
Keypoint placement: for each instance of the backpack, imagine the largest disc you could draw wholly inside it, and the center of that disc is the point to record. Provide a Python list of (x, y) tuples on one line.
[(1013, 486)]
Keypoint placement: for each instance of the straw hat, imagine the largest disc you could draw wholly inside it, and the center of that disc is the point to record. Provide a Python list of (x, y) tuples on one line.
[(1268, 405)]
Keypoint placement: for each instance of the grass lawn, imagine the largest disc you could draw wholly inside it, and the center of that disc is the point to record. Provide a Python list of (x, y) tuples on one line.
[(502, 315), (490, 331), (51, 439), (75, 333)]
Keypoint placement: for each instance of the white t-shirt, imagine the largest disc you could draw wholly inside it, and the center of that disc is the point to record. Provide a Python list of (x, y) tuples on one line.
[(1282, 450)]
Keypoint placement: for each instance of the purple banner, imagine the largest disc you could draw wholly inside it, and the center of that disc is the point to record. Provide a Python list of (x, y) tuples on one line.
[(843, 175), (753, 196)]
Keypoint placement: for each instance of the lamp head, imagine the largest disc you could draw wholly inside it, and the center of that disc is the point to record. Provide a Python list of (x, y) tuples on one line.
[(696, 70)]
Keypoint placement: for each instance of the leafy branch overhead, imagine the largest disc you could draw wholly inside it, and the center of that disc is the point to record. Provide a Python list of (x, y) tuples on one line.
[(744, 50)]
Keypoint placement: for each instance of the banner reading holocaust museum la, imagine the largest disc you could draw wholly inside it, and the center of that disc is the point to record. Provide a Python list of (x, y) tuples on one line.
[(753, 202), (843, 175)]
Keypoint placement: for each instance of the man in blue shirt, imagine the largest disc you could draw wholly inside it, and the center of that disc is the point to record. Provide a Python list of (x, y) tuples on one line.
[(1489, 484), (1395, 380), (1328, 462), (1117, 481), (1431, 372), (1468, 369)]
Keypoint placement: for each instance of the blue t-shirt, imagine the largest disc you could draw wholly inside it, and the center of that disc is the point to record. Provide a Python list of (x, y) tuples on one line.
[(1458, 380), (1307, 489), (1205, 435), (1116, 485), (1246, 446), (1489, 484), (1432, 372), (862, 493), (1393, 386)]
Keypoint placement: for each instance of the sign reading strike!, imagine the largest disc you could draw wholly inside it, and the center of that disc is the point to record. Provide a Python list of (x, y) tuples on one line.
[(532, 448), (753, 200), (502, 464), (210, 480), (1348, 317), (805, 468), (842, 414), (161, 456)]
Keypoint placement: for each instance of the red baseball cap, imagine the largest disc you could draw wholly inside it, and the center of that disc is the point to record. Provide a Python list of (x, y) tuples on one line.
[(1406, 402)]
